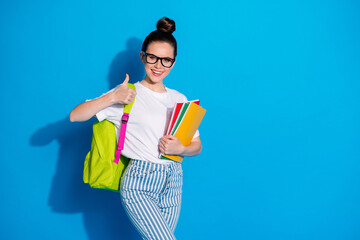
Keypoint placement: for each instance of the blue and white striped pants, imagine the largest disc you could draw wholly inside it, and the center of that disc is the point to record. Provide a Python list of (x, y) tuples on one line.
[(151, 196)]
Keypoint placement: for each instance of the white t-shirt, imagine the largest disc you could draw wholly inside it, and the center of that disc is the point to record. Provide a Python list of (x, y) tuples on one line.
[(148, 121)]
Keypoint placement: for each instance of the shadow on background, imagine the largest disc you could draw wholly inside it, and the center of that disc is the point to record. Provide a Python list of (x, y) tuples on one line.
[(104, 217), (128, 62)]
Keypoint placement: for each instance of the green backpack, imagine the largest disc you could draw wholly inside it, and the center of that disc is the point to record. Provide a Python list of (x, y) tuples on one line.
[(101, 170)]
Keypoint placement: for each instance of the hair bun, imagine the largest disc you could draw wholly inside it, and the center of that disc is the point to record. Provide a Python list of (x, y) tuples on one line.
[(166, 25)]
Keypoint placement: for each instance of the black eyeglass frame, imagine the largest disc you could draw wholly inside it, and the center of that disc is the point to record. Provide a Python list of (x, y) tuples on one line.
[(172, 60)]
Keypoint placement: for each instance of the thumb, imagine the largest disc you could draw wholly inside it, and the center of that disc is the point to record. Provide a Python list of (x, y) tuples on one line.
[(171, 137), (126, 80)]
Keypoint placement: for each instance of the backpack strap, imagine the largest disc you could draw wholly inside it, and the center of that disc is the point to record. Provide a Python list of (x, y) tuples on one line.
[(124, 121)]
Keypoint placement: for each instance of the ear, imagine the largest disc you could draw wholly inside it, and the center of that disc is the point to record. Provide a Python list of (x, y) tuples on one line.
[(142, 57)]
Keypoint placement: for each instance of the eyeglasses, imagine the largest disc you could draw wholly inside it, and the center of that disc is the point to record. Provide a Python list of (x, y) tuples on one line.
[(152, 59)]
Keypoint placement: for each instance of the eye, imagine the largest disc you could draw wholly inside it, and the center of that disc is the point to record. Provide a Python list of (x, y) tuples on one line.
[(167, 60), (152, 57)]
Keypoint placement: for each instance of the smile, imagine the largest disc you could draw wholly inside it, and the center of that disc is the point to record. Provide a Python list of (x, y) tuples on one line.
[(156, 73)]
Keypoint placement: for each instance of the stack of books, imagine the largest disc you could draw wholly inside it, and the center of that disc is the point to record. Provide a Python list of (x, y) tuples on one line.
[(185, 120)]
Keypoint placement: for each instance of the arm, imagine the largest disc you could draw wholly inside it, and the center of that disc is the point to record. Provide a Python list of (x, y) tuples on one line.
[(171, 145), (86, 110)]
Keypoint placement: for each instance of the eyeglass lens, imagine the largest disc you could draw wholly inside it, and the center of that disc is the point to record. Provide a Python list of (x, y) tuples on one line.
[(152, 59)]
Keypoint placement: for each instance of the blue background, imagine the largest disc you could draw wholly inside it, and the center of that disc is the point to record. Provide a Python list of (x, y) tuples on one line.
[(280, 81)]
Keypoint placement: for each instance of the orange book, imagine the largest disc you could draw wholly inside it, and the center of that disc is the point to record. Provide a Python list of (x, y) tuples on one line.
[(175, 114), (187, 128)]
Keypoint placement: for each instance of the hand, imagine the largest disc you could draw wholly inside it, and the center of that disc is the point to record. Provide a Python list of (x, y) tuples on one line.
[(123, 94), (171, 145)]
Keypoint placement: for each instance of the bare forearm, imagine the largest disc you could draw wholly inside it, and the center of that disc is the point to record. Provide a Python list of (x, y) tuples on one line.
[(86, 110), (171, 145), (193, 149), (121, 95)]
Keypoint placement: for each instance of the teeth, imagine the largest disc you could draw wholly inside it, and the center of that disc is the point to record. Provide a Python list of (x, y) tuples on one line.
[(156, 72)]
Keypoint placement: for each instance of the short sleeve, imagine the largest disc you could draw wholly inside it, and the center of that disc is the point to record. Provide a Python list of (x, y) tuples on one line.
[(197, 134), (112, 113)]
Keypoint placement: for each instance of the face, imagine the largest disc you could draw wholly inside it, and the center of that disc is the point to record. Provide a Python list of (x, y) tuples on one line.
[(155, 73)]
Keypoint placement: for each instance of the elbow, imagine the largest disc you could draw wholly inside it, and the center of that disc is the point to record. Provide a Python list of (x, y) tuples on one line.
[(72, 117), (76, 116), (197, 150), (200, 149), (197, 146)]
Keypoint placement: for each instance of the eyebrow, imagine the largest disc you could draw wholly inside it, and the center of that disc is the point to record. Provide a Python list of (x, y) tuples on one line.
[(159, 57)]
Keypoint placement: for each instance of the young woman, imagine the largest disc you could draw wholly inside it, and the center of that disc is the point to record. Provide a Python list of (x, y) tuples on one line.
[(151, 187)]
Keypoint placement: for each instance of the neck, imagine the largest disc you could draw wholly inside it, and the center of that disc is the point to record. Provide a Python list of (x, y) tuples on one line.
[(156, 87)]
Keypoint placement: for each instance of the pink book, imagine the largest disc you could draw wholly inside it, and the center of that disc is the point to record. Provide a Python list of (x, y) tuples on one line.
[(195, 101), (174, 116)]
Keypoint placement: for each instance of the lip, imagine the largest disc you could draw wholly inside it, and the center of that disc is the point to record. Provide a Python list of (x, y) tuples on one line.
[(156, 73)]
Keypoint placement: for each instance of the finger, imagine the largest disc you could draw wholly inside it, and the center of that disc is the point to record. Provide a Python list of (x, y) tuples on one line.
[(133, 95), (167, 137), (162, 148), (162, 141), (170, 138), (126, 80), (165, 147)]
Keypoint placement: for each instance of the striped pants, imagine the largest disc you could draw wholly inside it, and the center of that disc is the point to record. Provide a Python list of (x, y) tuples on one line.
[(151, 196)]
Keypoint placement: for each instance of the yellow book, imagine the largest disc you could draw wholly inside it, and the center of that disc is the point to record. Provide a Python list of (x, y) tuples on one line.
[(187, 128)]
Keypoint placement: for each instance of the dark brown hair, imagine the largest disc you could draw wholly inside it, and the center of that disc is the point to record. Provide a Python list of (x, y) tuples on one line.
[(163, 33)]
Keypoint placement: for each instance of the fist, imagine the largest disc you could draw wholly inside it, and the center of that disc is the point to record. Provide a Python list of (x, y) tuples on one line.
[(171, 145)]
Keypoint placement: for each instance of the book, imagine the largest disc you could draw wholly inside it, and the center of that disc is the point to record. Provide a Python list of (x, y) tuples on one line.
[(174, 117), (183, 124)]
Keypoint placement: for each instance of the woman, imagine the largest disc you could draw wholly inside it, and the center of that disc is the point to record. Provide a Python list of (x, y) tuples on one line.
[(150, 187)]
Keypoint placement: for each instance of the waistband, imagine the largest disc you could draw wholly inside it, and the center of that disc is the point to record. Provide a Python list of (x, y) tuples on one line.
[(155, 166)]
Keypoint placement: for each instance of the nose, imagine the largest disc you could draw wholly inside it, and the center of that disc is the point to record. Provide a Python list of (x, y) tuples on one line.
[(158, 64)]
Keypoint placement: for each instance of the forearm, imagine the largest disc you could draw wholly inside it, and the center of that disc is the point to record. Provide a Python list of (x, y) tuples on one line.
[(193, 149), (121, 95), (86, 110)]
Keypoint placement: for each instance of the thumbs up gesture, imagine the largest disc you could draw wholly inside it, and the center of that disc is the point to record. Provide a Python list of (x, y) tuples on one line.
[(123, 94)]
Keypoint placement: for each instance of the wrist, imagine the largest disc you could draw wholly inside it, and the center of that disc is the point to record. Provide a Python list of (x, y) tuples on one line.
[(182, 150), (110, 98)]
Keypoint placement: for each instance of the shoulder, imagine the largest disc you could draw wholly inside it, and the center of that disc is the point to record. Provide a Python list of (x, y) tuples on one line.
[(177, 95), (137, 84)]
